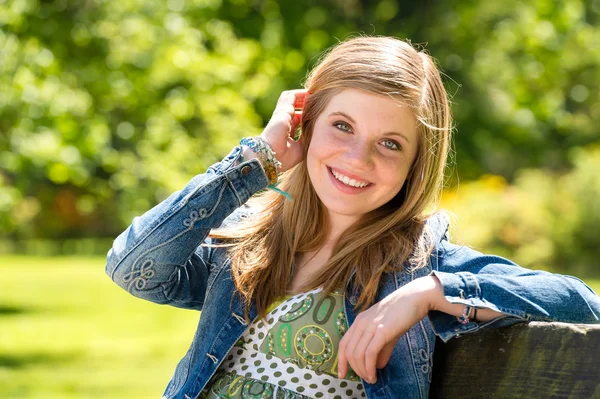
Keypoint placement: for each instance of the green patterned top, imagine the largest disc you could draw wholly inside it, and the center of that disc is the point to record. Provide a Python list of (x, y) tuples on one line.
[(291, 354)]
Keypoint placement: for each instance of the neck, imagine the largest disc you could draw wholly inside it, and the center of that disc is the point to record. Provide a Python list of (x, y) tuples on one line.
[(337, 225)]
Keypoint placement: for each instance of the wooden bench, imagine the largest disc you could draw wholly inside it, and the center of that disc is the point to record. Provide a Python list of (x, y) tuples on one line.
[(525, 361)]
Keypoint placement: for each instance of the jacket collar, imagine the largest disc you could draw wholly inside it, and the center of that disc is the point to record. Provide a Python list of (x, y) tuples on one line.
[(436, 227)]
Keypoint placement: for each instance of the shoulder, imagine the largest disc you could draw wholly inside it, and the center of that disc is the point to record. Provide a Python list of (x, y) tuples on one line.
[(444, 252), (436, 228)]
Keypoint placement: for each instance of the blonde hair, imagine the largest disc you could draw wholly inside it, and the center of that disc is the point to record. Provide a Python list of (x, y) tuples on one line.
[(263, 247)]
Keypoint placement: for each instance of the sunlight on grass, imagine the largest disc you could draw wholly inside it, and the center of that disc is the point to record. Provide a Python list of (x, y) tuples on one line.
[(69, 332)]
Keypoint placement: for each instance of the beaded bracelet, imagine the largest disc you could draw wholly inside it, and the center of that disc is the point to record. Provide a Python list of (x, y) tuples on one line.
[(464, 318), (265, 154)]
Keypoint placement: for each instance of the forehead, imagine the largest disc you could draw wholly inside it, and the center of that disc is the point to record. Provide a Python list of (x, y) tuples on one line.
[(377, 111)]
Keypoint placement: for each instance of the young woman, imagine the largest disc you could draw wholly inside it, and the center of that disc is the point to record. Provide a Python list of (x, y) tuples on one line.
[(340, 290)]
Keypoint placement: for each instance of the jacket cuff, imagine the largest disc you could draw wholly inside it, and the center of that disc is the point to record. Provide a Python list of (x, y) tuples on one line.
[(246, 178), (446, 326), (462, 288)]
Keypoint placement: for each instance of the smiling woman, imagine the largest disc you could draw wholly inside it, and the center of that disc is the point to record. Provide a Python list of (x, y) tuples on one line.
[(356, 161), (341, 291)]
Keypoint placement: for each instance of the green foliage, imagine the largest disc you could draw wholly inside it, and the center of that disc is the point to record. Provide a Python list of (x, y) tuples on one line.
[(108, 107), (529, 72), (112, 106), (543, 221)]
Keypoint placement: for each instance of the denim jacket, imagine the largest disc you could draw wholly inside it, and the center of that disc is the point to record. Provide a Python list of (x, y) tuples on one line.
[(159, 258)]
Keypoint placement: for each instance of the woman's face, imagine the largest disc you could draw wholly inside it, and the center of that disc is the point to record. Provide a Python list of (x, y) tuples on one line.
[(361, 151)]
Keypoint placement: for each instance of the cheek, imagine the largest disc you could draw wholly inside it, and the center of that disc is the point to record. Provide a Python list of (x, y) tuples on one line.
[(313, 159), (394, 174), (321, 146)]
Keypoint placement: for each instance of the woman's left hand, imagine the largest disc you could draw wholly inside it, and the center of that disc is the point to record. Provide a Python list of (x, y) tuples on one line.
[(369, 342)]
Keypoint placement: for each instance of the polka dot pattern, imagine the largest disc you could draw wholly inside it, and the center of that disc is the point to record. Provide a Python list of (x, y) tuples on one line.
[(293, 353)]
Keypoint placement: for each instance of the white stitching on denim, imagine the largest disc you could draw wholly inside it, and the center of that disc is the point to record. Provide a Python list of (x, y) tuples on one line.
[(424, 356), (155, 247), (407, 335), (203, 213), (212, 357), (139, 278), (428, 359), (234, 190), (412, 361), (239, 318)]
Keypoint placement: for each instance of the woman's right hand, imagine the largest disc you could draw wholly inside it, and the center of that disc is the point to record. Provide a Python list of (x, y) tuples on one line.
[(282, 126)]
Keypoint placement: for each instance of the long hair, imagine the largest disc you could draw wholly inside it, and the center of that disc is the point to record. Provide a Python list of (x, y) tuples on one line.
[(391, 237)]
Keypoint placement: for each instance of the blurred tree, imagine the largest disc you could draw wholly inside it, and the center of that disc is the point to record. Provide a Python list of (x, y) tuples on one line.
[(107, 107), (110, 106), (529, 71), (542, 221), (522, 73)]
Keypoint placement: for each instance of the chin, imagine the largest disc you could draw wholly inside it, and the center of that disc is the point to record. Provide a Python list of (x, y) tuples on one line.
[(343, 208)]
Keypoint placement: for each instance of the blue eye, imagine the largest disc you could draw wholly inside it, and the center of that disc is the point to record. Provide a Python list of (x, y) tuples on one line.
[(343, 126), (391, 145)]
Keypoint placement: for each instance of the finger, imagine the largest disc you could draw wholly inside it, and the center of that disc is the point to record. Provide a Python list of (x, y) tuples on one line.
[(295, 152), (291, 103), (384, 355), (283, 111), (376, 345), (342, 360), (351, 347), (291, 97), (285, 107), (360, 351)]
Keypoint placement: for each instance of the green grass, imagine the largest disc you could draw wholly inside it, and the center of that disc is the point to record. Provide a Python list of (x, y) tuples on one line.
[(67, 332)]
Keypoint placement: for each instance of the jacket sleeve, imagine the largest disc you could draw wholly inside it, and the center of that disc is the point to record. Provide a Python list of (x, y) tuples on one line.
[(159, 257), (483, 281)]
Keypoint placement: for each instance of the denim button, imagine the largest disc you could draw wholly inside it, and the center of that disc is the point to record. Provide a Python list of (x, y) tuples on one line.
[(245, 170)]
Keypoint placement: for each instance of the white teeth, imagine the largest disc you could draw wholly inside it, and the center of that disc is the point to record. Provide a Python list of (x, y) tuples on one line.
[(348, 181)]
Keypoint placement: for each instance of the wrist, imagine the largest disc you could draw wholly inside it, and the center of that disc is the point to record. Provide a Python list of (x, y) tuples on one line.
[(262, 150), (435, 293), (424, 293), (247, 153)]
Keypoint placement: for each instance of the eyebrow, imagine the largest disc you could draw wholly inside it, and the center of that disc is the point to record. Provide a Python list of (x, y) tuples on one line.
[(345, 115)]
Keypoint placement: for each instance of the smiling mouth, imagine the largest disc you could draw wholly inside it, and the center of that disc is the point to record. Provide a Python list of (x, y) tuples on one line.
[(348, 181)]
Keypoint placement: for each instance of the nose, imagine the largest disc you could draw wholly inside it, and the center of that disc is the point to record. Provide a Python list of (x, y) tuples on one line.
[(358, 155)]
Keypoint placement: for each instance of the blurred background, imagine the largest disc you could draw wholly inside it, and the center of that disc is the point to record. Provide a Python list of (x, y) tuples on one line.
[(106, 107)]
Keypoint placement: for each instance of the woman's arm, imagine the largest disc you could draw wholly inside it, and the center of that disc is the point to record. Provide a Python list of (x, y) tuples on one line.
[(439, 303), (159, 257), (503, 292), (494, 283)]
